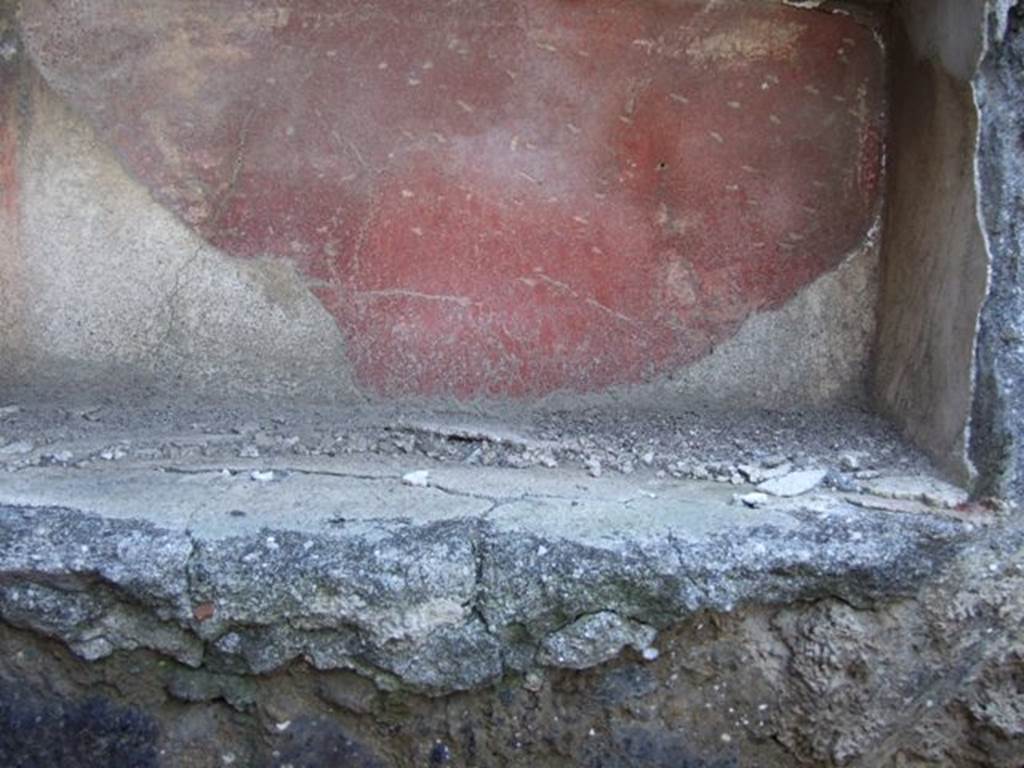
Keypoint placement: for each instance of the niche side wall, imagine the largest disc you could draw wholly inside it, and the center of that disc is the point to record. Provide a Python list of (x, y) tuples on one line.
[(935, 260)]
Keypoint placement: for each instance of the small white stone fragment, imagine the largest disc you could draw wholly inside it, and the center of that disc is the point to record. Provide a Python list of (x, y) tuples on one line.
[(931, 491), (594, 639), (793, 484), (9, 410), (753, 500), (547, 459), (851, 462), (418, 479), (650, 653), (284, 726), (262, 475), (593, 466), (777, 471), (17, 448), (534, 681), (752, 473)]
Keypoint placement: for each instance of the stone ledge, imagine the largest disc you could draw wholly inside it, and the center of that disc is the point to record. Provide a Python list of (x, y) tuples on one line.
[(451, 594)]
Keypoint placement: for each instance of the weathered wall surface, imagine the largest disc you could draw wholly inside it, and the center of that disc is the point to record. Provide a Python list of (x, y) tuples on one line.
[(812, 351), (935, 270), (511, 201), (116, 290)]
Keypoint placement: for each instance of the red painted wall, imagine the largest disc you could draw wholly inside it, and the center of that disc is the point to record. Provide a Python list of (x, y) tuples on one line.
[(497, 197)]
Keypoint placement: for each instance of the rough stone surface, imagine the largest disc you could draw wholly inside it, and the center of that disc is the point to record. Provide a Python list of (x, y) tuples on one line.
[(593, 640), (999, 406), (40, 730), (431, 588), (513, 610), (918, 663), (794, 483)]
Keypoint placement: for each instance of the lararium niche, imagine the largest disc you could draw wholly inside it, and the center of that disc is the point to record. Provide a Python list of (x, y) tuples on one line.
[(515, 204), (686, 291)]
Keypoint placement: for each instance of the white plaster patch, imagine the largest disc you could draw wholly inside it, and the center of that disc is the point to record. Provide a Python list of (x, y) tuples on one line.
[(119, 283)]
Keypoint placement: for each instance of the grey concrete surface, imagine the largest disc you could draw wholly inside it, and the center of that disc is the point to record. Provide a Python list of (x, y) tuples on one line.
[(437, 588)]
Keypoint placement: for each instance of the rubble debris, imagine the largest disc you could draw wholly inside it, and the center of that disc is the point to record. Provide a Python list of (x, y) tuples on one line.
[(793, 484), (929, 490), (752, 500), (418, 479)]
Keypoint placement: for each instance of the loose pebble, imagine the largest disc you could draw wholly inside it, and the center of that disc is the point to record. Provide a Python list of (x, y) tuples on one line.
[(851, 462), (420, 478), (793, 484), (753, 500), (17, 448)]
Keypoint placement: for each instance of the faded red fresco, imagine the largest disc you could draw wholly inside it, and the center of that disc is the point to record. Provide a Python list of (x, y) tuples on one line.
[(497, 197)]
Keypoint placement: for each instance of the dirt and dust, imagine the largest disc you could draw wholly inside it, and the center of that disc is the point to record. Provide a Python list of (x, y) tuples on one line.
[(729, 446)]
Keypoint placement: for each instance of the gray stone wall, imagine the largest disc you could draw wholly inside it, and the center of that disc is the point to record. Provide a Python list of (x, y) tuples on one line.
[(998, 420)]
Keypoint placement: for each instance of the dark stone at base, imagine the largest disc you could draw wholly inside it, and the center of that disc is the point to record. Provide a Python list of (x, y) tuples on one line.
[(38, 731), (320, 742), (637, 746)]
